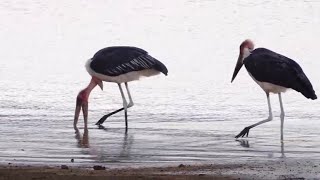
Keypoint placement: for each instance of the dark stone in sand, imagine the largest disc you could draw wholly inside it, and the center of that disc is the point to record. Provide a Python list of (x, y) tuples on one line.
[(64, 167), (182, 166), (99, 168)]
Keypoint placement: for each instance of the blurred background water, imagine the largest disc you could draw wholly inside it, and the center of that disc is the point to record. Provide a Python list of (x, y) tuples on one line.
[(190, 116)]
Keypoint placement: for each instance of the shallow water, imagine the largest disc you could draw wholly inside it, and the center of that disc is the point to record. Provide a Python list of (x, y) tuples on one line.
[(190, 116)]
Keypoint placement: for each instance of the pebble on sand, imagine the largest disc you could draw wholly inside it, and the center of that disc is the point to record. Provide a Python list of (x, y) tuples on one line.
[(99, 168), (64, 167)]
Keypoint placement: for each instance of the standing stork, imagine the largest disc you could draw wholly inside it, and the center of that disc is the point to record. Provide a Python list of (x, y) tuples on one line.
[(274, 73), (119, 64)]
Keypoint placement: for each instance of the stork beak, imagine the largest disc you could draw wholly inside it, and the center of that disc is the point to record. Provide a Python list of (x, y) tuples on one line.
[(77, 113), (100, 84), (237, 68), (84, 106)]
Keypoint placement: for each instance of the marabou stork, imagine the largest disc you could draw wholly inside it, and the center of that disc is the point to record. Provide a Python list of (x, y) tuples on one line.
[(274, 73), (118, 64)]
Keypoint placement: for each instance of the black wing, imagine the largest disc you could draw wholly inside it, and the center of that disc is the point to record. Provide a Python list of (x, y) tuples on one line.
[(117, 60), (267, 66)]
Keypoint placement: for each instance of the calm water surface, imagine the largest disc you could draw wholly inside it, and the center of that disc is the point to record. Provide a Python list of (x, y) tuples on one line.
[(190, 116)]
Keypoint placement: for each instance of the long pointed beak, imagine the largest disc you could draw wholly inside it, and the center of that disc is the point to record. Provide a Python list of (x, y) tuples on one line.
[(85, 113), (237, 68), (77, 113), (84, 106)]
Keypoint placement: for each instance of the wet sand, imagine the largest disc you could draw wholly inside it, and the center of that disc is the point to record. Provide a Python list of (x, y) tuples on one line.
[(300, 169)]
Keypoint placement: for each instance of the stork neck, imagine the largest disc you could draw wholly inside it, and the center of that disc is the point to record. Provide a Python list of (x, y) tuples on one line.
[(91, 85), (86, 91), (245, 53)]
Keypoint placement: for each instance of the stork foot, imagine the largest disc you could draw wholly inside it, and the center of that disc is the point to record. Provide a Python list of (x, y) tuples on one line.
[(100, 126), (244, 132)]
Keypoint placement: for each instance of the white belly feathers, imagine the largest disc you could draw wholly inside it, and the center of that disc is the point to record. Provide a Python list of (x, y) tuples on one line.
[(269, 87), (127, 77)]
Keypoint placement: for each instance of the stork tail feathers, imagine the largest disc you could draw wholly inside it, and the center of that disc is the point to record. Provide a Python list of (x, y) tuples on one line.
[(310, 95), (161, 67)]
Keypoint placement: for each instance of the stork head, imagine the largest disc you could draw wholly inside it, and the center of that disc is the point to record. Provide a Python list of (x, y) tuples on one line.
[(82, 101), (246, 48)]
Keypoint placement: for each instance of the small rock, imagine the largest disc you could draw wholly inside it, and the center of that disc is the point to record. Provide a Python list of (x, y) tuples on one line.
[(99, 168), (64, 167), (72, 160), (181, 166)]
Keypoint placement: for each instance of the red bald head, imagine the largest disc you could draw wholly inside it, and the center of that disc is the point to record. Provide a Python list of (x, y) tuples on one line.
[(247, 44), (83, 96), (82, 100), (246, 48)]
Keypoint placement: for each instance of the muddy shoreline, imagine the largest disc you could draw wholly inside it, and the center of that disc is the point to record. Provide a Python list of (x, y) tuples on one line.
[(282, 169)]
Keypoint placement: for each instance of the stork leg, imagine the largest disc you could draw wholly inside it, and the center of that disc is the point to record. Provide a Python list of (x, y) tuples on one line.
[(125, 105), (245, 131), (114, 112), (281, 115), (129, 95)]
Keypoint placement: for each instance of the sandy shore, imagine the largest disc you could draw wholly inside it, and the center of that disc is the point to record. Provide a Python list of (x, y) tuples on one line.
[(268, 170)]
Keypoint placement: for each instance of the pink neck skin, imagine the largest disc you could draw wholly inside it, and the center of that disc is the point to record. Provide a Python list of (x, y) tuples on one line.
[(84, 94)]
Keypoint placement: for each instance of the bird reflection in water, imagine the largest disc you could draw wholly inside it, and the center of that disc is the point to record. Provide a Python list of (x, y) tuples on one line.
[(83, 140), (123, 153), (282, 150), (126, 146), (245, 143)]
